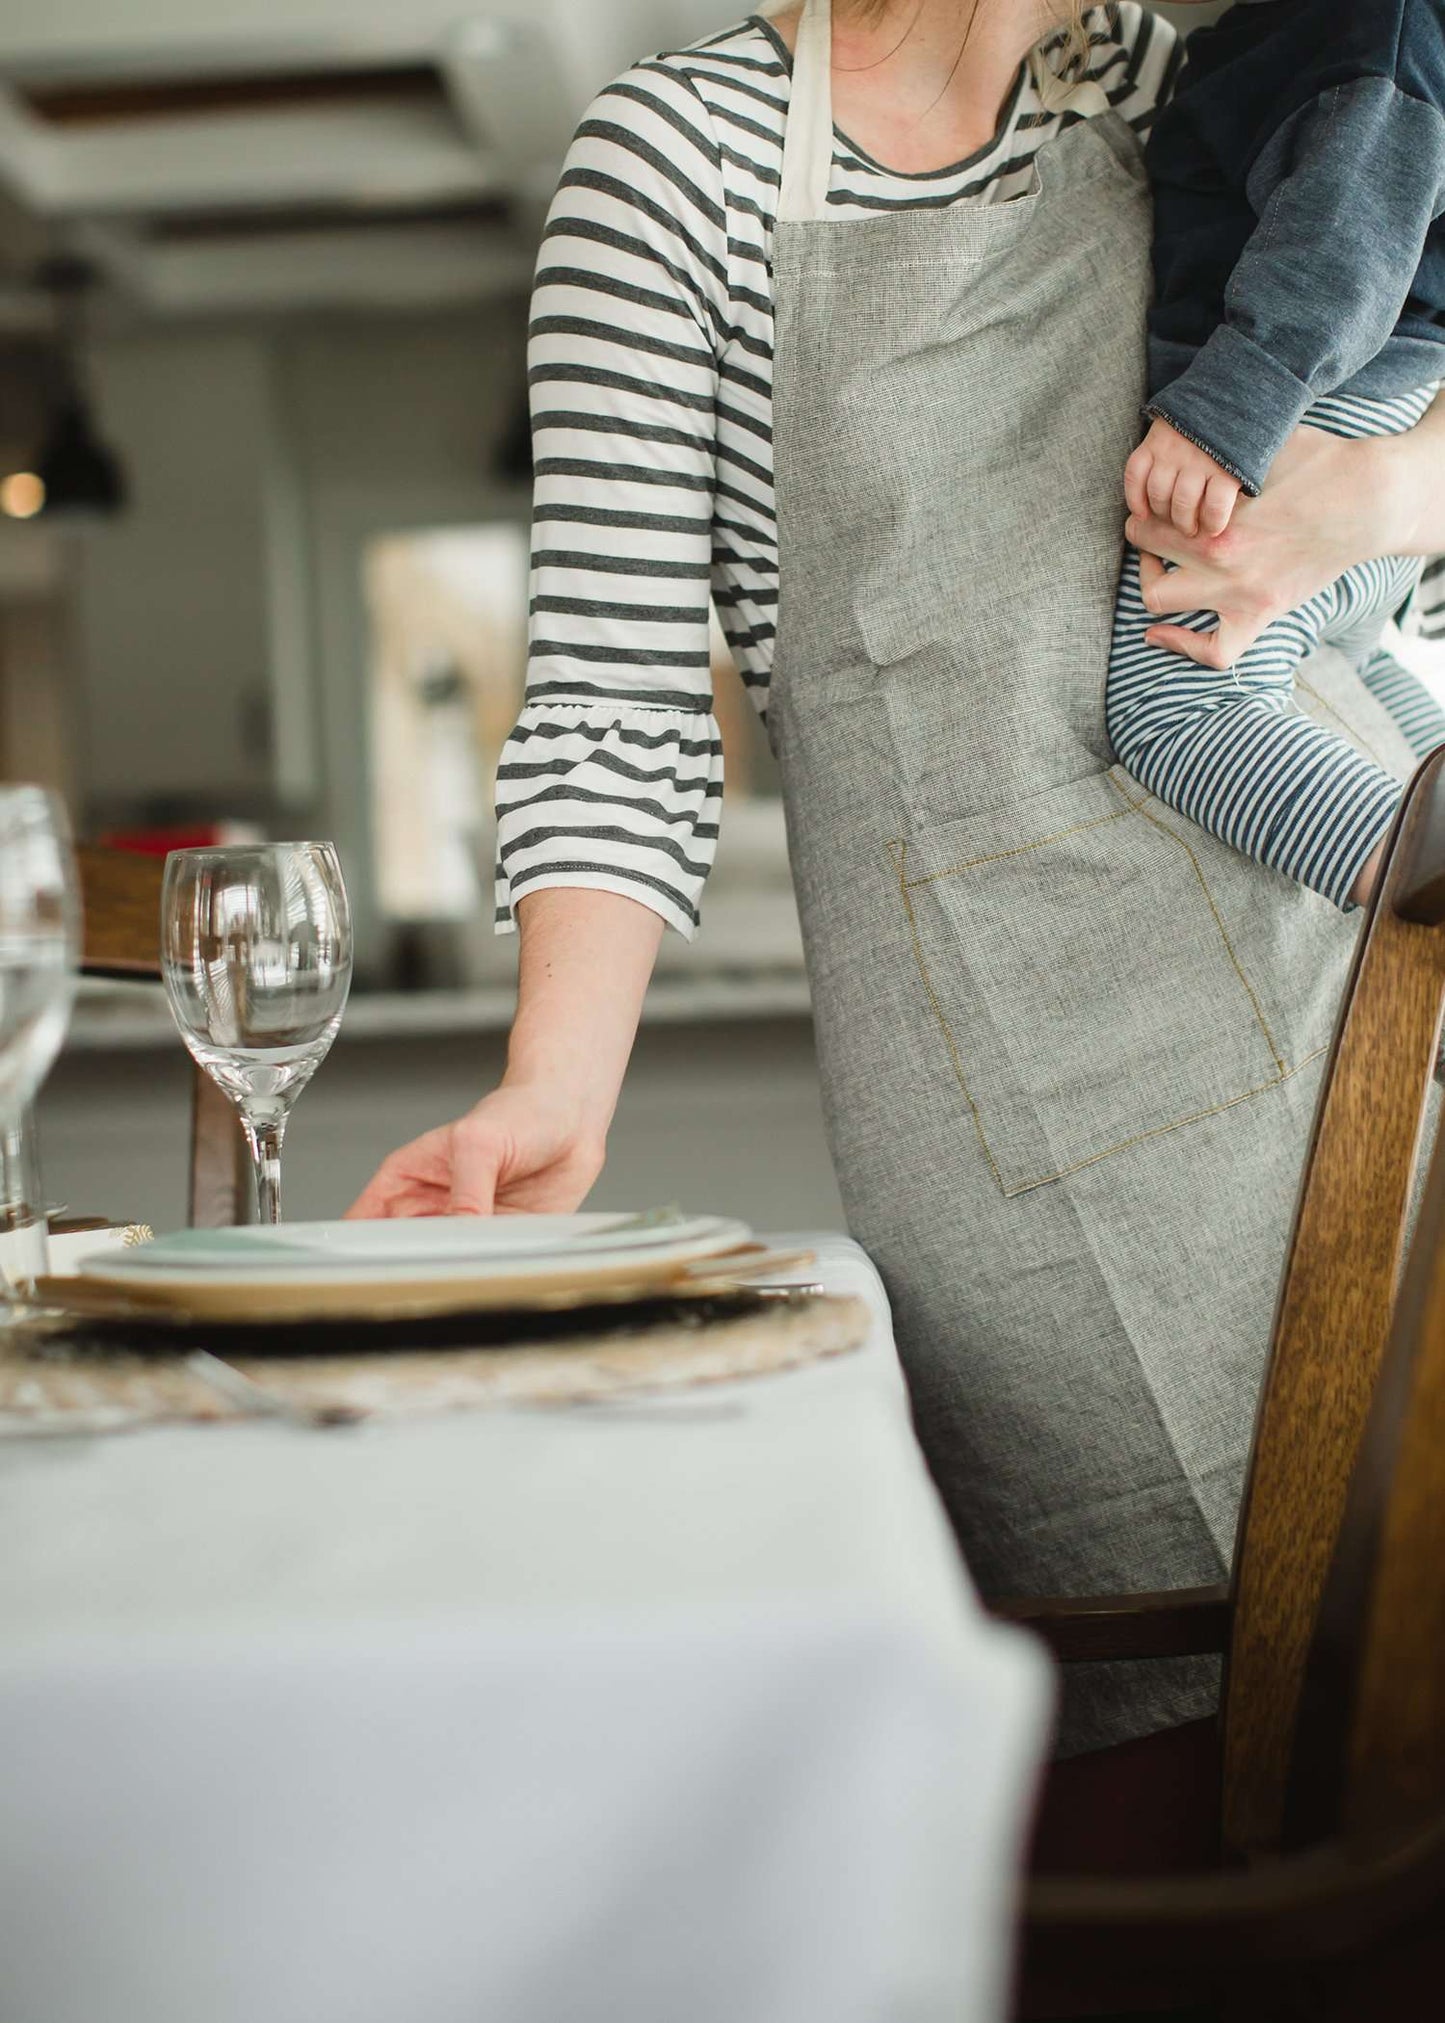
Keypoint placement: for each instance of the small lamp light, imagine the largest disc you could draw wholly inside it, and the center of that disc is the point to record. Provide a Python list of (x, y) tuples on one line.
[(22, 495)]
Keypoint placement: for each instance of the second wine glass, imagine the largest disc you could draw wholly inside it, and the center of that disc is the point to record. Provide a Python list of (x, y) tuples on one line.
[(256, 950), (39, 954)]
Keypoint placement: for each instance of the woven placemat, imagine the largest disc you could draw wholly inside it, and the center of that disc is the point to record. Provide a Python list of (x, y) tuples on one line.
[(107, 1380)]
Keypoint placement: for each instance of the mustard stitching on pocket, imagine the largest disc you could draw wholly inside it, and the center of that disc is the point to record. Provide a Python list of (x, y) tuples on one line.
[(1022, 850), (1162, 1130), (900, 861), (898, 848), (1164, 829)]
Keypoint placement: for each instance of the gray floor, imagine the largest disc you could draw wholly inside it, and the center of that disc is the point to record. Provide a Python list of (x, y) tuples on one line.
[(716, 1116)]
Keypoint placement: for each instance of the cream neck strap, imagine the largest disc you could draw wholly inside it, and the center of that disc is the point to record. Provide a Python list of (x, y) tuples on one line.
[(808, 140)]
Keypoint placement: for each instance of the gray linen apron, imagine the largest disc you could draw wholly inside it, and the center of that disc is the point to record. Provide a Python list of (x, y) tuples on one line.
[(1069, 1043)]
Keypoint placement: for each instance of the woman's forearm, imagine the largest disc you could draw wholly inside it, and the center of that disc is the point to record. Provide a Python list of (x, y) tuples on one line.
[(1411, 484), (586, 957)]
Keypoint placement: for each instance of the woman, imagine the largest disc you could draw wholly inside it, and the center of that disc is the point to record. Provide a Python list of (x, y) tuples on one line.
[(1069, 1043)]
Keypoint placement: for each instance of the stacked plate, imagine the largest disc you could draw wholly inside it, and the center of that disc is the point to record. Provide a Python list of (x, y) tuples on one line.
[(413, 1270)]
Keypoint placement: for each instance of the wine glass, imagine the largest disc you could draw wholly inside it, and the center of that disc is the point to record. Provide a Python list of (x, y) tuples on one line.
[(39, 954), (256, 953)]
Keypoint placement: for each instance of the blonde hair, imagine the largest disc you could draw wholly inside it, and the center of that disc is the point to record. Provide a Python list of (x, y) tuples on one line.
[(1068, 13), (1070, 16)]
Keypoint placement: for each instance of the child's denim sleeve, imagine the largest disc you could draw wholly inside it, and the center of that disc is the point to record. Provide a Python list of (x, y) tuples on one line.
[(1345, 194)]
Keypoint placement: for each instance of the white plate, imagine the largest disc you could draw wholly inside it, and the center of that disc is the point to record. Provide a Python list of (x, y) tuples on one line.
[(257, 1300), (449, 1247)]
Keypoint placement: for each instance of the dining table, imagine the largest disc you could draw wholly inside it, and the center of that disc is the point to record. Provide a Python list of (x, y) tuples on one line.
[(667, 1708)]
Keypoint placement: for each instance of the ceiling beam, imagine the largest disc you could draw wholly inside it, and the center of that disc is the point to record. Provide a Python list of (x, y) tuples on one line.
[(515, 76), (108, 102), (369, 155), (151, 38), (28, 166), (386, 267), (43, 41), (510, 91)]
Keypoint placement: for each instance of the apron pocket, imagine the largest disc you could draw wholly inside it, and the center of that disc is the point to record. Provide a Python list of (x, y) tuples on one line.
[(1081, 975)]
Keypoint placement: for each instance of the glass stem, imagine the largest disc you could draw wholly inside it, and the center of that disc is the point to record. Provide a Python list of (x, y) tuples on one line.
[(24, 1247), (264, 1140)]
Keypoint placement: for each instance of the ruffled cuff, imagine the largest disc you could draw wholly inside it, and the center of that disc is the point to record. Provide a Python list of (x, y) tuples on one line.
[(602, 799)]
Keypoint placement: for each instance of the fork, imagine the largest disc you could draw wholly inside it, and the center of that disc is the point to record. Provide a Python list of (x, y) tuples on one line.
[(257, 1399)]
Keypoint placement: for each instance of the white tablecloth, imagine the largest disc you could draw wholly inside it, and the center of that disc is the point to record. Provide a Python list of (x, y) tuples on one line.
[(681, 1712)]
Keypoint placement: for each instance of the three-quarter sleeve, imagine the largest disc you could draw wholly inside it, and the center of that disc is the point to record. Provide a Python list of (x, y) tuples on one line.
[(612, 778)]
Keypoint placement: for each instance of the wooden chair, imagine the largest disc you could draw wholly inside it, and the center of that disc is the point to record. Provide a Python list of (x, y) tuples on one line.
[(1196, 1795), (121, 894), (1346, 1923)]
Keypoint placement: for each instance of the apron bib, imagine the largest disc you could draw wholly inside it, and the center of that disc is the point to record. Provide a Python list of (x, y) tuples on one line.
[(1069, 1043)]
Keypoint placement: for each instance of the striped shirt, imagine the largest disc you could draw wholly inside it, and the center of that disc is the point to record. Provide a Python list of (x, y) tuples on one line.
[(650, 366)]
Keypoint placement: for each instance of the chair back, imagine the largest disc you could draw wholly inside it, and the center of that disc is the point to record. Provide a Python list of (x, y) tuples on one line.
[(1369, 1756), (1336, 1302), (121, 896), (1349, 1920)]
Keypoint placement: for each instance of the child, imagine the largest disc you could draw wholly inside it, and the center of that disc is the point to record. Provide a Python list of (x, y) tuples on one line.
[(1299, 256)]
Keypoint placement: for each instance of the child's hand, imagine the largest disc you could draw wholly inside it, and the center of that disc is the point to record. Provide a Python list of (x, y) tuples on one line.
[(1170, 478)]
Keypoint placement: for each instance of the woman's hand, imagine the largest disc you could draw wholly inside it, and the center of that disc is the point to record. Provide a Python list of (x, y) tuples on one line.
[(1329, 504), (536, 1144), (522, 1150)]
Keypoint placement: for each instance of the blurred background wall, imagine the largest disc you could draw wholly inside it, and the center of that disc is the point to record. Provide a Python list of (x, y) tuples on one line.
[(282, 256), (277, 260), (263, 281)]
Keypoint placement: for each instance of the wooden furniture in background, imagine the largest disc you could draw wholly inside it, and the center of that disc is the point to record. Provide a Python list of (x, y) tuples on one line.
[(1171, 1800), (121, 894)]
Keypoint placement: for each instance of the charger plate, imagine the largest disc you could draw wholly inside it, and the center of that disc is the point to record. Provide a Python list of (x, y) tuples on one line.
[(105, 1379), (258, 1298)]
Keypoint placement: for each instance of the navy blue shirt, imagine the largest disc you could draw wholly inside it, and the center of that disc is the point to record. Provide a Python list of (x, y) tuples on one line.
[(1299, 205)]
